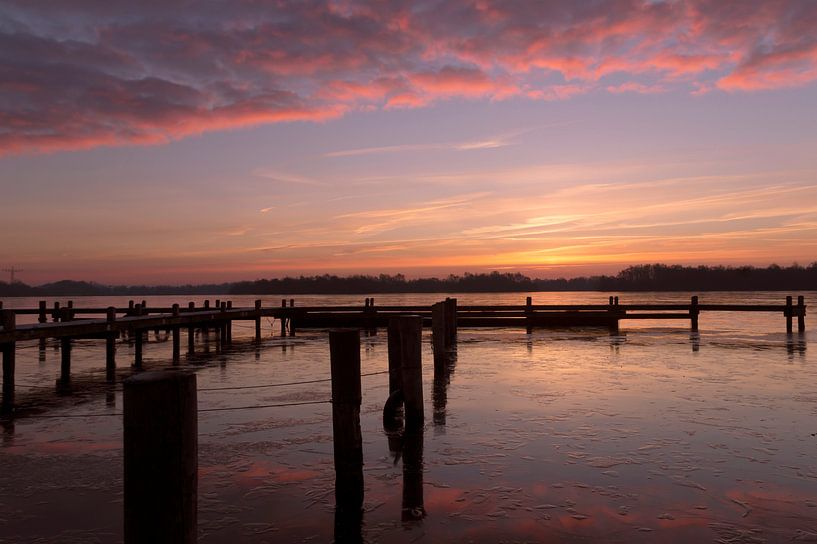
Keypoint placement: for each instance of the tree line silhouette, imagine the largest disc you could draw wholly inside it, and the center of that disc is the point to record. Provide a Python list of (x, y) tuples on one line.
[(650, 277)]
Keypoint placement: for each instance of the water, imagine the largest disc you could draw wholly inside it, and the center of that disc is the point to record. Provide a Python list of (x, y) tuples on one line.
[(651, 435)]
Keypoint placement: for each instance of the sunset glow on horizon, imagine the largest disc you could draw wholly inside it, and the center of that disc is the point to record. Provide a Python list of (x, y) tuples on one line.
[(185, 142)]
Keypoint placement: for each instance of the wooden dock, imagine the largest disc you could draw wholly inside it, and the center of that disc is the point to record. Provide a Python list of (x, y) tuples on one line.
[(133, 322)]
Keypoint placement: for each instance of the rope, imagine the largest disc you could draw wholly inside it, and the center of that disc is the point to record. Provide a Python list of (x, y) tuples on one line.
[(228, 408), (239, 387)]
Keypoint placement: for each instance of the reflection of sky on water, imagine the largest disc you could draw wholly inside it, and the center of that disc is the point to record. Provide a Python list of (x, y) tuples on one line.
[(554, 436)]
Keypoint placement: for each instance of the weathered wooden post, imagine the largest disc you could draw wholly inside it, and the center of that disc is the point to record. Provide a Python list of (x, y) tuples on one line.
[(176, 331), (283, 317), (65, 361), (224, 333), (693, 313), (191, 331), (258, 321), (55, 314), (291, 315), (450, 322), (137, 340), (438, 323), (801, 313), (207, 304), (110, 344), (69, 311), (615, 301), (611, 301), (344, 357), (411, 358), (160, 457), (8, 320), (789, 313), (413, 508), (42, 317), (395, 364)]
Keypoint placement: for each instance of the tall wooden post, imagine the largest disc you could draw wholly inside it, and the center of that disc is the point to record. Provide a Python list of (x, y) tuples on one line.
[(344, 357), (411, 357), (70, 311), (176, 332), (693, 313), (291, 315), (611, 301), (65, 360), (42, 317), (789, 314), (110, 345), (450, 322), (283, 317), (8, 320), (160, 456), (258, 321), (801, 313), (438, 323), (395, 364), (55, 315), (191, 331)]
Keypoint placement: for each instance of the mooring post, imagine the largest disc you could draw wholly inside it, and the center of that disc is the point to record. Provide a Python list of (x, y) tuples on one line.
[(611, 301), (110, 344), (161, 458), (191, 331), (438, 323), (789, 313), (413, 508), (291, 315), (176, 332), (344, 358), (283, 317), (411, 358), (258, 321), (693, 313), (65, 360), (70, 311), (55, 315), (450, 322), (42, 317), (615, 301), (8, 320), (395, 364), (801, 313), (137, 341)]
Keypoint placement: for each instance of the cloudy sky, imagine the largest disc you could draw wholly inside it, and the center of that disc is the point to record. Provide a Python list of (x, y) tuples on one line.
[(174, 141)]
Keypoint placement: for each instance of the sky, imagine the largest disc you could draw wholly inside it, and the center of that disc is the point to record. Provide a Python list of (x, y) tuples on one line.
[(176, 141)]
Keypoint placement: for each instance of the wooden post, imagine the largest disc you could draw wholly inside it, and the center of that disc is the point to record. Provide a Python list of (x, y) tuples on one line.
[(8, 320), (292, 313), (191, 331), (177, 341), (413, 508), (615, 301), (395, 364), (65, 360), (258, 321), (344, 356), (789, 314), (42, 318), (693, 313), (137, 348), (70, 311), (450, 322), (411, 357), (801, 313), (438, 323), (207, 304), (283, 317), (110, 345), (611, 301), (55, 315), (161, 458)]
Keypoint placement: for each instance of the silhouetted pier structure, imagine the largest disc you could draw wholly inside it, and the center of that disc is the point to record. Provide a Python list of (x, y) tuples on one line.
[(69, 322)]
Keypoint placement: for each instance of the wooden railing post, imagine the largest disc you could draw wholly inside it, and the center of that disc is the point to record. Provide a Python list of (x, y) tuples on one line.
[(8, 320), (801, 313), (258, 321), (110, 345), (344, 355), (160, 457), (789, 312), (693, 313), (411, 358), (176, 332)]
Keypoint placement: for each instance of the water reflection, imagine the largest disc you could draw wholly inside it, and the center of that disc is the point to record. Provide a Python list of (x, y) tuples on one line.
[(695, 340), (796, 344), (413, 509), (442, 378)]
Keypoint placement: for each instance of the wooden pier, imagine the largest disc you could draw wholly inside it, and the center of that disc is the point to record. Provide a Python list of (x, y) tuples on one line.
[(69, 322)]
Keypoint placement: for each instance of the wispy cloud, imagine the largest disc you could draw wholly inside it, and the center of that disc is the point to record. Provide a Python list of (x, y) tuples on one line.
[(285, 177)]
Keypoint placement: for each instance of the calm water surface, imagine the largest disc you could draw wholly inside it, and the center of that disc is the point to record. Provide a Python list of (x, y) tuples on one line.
[(651, 435)]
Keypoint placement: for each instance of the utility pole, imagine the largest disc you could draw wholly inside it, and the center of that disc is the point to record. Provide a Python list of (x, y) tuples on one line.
[(11, 272)]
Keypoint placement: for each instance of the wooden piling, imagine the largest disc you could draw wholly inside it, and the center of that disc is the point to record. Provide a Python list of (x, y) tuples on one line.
[(258, 321), (801, 313), (411, 333), (42, 317), (110, 345), (65, 360), (177, 341), (291, 314), (344, 356), (438, 334), (137, 348), (8, 320), (283, 317), (693, 313), (395, 364), (55, 314), (160, 457), (450, 322), (191, 331), (789, 313)]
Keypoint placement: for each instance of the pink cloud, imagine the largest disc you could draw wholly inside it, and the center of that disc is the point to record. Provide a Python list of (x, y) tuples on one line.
[(83, 73)]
